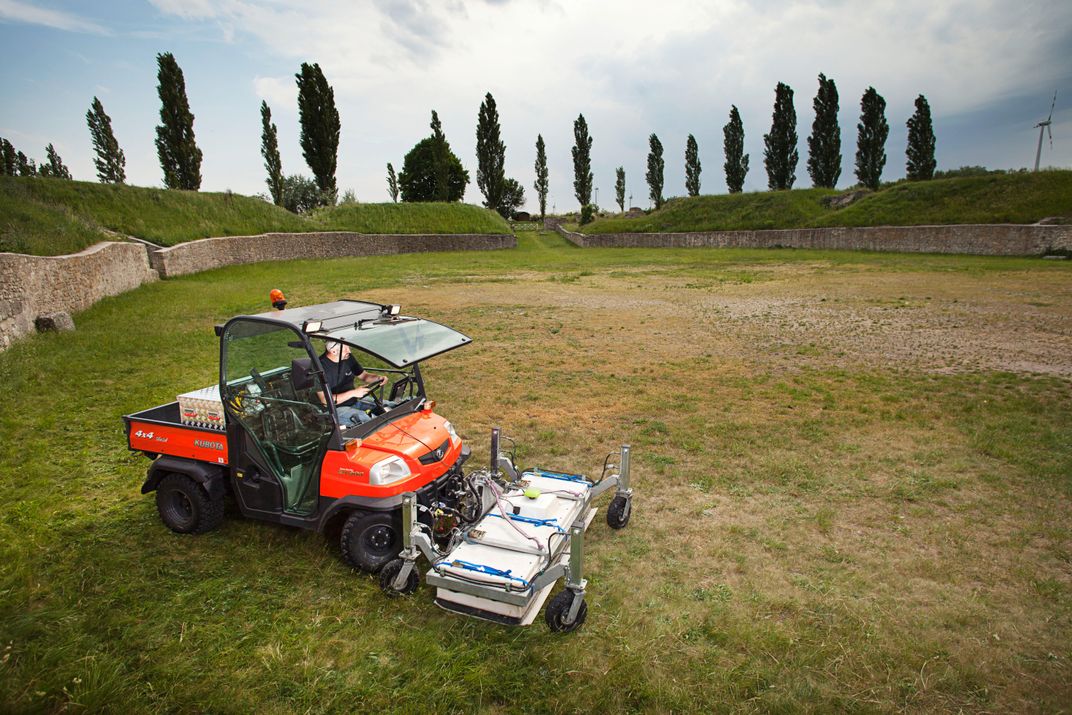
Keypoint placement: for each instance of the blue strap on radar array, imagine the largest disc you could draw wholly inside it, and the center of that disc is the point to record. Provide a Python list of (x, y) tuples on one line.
[(486, 570), (531, 520), (561, 476)]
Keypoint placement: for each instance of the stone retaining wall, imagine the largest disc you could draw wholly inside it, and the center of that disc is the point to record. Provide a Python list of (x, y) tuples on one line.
[(32, 286), (215, 252), (976, 239)]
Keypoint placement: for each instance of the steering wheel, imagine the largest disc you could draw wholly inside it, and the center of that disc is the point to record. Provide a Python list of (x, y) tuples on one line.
[(376, 391)]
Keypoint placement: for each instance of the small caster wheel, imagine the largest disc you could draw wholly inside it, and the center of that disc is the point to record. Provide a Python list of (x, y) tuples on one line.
[(388, 574), (619, 511), (559, 608)]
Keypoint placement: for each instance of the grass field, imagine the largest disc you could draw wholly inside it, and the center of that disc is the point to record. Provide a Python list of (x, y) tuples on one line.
[(853, 476), (53, 217), (997, 198)]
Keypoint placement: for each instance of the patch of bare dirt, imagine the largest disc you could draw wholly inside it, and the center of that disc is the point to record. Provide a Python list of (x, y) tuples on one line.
[(939, 322)]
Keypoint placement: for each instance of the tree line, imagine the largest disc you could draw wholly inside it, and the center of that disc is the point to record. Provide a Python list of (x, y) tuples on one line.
[(431, 171), (780, 153)]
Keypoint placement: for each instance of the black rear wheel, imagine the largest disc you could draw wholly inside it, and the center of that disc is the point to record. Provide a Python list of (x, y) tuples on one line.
[(185, 507), (369, 541)]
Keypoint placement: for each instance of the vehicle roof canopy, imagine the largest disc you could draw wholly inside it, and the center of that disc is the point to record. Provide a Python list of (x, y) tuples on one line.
[(400, 340)]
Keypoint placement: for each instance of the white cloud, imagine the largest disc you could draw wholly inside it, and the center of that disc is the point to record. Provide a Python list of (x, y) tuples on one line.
[(633, 67), (281, 93), (32, 140), (188, 9), (15, 11)]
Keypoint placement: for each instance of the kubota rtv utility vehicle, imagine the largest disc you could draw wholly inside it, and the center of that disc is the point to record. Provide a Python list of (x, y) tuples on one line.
[(497, 540), (267, 435)]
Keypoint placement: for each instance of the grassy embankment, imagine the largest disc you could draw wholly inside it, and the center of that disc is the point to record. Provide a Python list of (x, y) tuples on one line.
[(1000, 198), (53, 217), (821, 524)]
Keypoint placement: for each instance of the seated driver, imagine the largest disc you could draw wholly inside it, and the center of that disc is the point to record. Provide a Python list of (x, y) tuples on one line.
[(340, 369)]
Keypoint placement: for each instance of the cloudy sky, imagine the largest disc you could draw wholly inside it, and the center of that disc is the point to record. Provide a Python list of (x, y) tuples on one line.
[(989, 69)]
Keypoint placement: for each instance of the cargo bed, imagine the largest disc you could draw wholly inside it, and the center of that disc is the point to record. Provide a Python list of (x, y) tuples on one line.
[(159, 430)]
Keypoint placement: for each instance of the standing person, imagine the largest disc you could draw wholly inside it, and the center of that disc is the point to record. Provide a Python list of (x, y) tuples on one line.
[(340, 370)]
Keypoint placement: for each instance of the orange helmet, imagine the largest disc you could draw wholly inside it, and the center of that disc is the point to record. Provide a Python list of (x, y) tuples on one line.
[(277, 299)]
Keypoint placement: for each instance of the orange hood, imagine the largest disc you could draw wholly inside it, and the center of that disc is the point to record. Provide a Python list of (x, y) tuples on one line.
[(412, 436)]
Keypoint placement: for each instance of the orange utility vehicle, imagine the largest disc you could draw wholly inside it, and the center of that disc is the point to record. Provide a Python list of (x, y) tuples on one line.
[(269, 433)]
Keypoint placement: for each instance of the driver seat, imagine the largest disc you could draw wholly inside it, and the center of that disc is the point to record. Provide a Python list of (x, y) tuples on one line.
[(301, 375)]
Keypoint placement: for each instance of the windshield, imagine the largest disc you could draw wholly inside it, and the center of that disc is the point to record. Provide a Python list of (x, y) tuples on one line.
[(401, 341)]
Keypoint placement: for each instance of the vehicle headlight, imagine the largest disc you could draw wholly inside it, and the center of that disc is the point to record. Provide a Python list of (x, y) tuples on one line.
[(388, 470), (450, 430)]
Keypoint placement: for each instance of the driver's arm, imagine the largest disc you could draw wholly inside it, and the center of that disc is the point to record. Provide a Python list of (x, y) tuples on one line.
[(341, 397), (369, 379)]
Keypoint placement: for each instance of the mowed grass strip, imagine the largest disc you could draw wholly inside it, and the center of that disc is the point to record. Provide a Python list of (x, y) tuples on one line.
[(998, 198), (810, 534), (53, 217), (429, 217)]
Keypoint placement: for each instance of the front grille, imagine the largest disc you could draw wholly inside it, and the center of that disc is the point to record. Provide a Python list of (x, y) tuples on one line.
[(436, 454)]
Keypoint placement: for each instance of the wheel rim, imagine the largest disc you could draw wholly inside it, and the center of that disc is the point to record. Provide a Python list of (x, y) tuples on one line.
[(182, 508), (379, 538)]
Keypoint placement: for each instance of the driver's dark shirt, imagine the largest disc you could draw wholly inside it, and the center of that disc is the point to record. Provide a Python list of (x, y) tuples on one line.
[(339, 376)]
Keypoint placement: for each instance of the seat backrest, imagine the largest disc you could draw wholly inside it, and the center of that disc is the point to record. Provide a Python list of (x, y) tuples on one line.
[(301, 377)]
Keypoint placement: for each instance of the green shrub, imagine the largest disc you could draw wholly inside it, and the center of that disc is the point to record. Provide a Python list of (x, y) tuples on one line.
[(587, 214)]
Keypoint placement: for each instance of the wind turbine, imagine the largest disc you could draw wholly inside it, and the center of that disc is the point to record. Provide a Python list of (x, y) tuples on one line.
[(1045, 126)]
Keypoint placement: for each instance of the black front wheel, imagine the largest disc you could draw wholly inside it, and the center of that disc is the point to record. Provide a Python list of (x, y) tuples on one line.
[(185, 507), (370, 540), (391, 571), (558, 609)]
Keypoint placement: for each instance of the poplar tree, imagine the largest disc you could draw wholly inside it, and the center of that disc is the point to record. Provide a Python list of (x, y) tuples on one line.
[(175, 145), (655, 170), (273, 164), (780, 146), (542, 184), (320, 128), (9, 166), (490, 155), (55, 167), (920, 152), (871, 139), (110, 161), (619, 187), (736, 165), (25, 165), (582, 162), (441, 160), (392, 183), (692, 167), (824, 144)]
